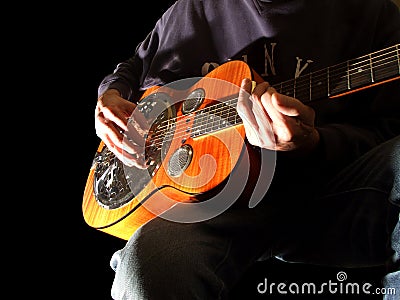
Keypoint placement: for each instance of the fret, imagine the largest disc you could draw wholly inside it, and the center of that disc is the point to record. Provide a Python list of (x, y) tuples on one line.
[(384, 65), (328, 85), (360, 72), (196, 130), (398, 56), (280, 88), (319, 81), (220, 116), (237, 119), (203, 123), (210, 124), (223, 122), (331, 82), (348, 75), (287, 88), (302, 90), (338, 79), (232, 119), (371, 68), (168, 135), (216, 117), (227, 117), (224, 114)]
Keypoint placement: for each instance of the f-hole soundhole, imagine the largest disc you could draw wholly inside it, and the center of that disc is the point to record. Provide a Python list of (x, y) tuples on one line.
[(193, 101), (180, 160)]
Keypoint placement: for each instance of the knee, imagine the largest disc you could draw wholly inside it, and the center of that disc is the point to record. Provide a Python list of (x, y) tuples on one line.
[(158, 262), (394, 160), (385, 168), (393, 147), (143, 266)]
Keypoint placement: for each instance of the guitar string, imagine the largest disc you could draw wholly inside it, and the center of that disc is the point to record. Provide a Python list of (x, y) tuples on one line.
[(339, 69), (344, 65), (202, 118), (357, 71), (299, 87), (339, 76), (204, 114), (356, 79), (217, 109), (202, 127), (385, 60)]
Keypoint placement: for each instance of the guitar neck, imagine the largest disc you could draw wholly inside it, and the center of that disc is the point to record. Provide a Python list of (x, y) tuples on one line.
[(344, 78), (335, 81)]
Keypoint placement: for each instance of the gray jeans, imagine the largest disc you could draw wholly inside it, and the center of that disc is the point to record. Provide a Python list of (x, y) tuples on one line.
[(354, 222)]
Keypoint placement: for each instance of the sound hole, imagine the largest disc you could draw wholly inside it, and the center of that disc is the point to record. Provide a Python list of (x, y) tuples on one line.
[(180, 160), (193, 101)]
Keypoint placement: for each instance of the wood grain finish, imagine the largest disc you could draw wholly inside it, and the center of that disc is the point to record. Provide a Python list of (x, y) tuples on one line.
[(220, 150), (226, 145)]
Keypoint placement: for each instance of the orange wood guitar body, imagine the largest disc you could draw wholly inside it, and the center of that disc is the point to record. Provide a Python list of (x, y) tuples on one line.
[(122, 222)]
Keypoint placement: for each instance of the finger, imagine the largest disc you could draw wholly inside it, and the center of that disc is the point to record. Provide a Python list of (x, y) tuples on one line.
[(260, 89), (107, 130), (116, 139), (245, 111), (259, 110), (134, 160), (250, 106), (129, 158), (285, 113), (292, 107), (244, 105), (116, 114), (256, 121), (246, 86), (265, 133), (129, 153), (137, 128), (284, 127), (264, 112)]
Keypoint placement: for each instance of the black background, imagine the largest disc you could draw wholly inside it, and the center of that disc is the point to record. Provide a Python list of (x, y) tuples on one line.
[(91, 42)]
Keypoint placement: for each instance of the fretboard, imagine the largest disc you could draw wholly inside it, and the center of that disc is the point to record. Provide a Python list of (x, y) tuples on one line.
[(216, 117), (350, 76), (345, 77)]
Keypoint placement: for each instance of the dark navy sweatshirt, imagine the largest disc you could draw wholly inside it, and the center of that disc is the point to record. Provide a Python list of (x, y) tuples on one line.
[(281, 40)]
